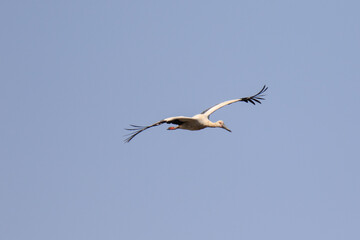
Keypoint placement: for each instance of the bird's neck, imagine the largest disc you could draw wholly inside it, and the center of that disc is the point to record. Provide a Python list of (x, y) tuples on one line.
[(213, 124)]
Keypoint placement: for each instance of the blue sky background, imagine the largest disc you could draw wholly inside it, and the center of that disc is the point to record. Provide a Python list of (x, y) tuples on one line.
[(74, 74)]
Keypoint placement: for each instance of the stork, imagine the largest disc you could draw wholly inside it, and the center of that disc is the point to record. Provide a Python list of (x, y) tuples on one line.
[(199, 121)]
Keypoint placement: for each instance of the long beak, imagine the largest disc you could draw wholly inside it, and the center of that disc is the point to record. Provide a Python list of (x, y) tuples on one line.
[(224, 127)]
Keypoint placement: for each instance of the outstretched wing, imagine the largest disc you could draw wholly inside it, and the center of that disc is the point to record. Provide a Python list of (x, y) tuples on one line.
[(138, 129), (253, 99)]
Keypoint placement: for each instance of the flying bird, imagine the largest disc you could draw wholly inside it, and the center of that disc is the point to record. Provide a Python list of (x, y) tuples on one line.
[(199, 121)]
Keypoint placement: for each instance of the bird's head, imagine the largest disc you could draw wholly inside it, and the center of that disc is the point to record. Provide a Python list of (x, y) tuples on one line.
[(221, 124)]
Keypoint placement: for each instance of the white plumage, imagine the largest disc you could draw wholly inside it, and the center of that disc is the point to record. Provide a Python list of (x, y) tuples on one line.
[(199, 121)]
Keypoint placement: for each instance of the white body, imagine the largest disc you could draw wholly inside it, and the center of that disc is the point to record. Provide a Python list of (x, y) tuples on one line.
[(197, 122)]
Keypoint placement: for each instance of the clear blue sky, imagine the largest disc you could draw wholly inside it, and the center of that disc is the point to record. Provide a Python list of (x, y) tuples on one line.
[(74, 74)]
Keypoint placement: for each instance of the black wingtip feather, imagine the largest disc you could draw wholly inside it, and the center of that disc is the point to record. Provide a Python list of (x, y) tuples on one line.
[(136, 126), (257, 97), (139, 129)]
